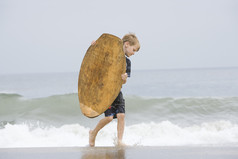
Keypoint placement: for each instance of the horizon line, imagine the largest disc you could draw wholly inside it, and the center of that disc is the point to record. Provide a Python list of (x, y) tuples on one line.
[(156, 69)]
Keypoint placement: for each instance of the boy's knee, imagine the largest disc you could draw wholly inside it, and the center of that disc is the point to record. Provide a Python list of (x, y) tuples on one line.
[(120, 116), (109, 118)]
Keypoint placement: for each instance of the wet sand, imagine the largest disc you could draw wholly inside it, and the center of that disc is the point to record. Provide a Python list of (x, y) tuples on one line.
[(120, 153)]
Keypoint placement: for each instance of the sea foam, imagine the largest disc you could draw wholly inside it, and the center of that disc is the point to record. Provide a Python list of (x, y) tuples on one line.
[(144, 134)]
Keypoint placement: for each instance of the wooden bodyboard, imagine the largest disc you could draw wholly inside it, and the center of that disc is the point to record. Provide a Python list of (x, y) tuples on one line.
[(100, 79)]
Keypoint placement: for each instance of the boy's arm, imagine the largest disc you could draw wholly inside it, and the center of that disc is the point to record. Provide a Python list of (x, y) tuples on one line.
[(124, 78)]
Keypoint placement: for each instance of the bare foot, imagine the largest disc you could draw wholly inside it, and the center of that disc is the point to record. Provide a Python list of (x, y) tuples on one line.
[(121, 144), (91, 138)]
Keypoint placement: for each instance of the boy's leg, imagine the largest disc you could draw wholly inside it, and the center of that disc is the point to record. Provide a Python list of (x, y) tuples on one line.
[(120, 127), (100, 125)]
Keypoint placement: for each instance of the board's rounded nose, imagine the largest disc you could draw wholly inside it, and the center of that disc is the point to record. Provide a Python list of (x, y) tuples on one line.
[(87, 111)]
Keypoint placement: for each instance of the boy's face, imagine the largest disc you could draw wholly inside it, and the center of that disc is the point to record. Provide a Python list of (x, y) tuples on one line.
[(129, 50)]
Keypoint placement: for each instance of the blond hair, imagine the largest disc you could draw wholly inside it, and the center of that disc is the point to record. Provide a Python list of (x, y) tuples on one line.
[(132, 39)]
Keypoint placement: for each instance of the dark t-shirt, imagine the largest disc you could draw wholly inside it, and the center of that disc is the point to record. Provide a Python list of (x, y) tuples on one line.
[(128, 71), (128, 67)]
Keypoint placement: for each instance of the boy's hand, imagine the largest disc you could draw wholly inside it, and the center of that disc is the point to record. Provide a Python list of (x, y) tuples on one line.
[(124, 77), (93, 42)]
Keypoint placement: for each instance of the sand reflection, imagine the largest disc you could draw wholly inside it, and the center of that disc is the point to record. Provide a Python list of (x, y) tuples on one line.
[(104, 153)]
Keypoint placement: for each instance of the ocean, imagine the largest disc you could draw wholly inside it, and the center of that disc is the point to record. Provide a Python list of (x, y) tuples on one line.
[(176, 107)]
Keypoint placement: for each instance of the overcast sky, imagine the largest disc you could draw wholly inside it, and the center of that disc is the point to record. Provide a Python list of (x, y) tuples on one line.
[(53, 35)]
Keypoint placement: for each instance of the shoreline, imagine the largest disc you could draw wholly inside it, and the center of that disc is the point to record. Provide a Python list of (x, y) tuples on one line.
[(168, 152)]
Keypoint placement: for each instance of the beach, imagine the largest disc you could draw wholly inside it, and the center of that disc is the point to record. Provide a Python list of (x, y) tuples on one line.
[(182, 152)]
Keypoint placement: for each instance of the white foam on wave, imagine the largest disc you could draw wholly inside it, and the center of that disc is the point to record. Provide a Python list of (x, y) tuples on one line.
[(145, 134), (168, 134)]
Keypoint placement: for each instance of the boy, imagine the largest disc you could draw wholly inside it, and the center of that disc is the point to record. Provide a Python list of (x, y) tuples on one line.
[(117, 109)]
